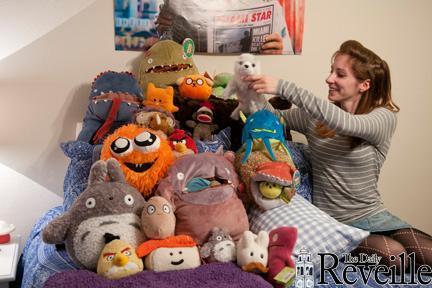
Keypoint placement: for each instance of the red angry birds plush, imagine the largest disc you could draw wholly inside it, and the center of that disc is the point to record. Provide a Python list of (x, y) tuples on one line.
[(182, 143)]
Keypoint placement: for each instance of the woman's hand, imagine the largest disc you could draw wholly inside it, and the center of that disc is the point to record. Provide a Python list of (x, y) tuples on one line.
[(273, 45), (262, 84)]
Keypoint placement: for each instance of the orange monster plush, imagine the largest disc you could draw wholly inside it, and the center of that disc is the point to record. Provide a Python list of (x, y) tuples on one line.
[(162, 98), (196, 87), (143, 155)]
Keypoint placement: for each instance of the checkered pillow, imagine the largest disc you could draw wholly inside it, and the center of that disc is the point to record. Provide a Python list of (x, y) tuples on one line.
[(317, 231)]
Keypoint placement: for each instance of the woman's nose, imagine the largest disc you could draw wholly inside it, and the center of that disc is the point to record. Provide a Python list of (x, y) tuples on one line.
[(329, 79)]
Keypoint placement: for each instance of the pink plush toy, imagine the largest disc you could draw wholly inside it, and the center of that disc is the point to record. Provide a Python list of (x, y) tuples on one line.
[(281, 246)]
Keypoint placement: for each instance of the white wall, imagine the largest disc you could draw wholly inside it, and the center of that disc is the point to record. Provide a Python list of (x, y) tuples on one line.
[(44, 86)]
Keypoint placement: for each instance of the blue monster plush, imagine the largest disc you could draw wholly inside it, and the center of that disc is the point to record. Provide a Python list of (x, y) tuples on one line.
[(114, 98), (262, 127)]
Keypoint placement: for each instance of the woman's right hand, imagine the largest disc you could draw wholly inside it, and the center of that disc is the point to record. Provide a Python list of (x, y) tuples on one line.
[(262, 84)]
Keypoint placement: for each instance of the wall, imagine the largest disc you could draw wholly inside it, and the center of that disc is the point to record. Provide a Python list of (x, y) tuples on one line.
[(44, 86)]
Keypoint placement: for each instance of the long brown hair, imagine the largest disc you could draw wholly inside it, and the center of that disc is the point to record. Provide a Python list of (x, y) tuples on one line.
[(365, 64)]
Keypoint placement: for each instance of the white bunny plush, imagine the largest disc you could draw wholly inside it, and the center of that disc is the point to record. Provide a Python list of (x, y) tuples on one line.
[(249, 101), (252, 252)]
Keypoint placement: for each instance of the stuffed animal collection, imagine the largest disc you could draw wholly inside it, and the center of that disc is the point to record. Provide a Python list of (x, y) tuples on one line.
[(152, 201)]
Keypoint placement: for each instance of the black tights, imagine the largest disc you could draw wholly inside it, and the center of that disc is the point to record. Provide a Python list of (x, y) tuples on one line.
[(406, 240)]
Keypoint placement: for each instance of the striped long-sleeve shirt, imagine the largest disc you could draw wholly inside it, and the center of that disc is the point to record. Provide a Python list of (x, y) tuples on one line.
[(345, 179)]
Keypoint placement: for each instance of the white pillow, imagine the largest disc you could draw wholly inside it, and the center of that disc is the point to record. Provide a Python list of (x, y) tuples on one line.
[(317, 231)]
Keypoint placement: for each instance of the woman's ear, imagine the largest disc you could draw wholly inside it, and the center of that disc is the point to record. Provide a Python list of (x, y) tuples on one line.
[(364, 86)]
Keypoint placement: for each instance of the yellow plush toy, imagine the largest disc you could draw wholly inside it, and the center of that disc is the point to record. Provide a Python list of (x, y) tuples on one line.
[(118, 259)]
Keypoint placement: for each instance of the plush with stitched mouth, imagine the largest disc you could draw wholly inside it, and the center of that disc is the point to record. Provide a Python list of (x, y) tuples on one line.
[(143, 155), (163, 64)]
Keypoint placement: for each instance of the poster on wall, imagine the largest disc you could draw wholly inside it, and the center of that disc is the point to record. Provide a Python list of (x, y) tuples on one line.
[(215, 26)]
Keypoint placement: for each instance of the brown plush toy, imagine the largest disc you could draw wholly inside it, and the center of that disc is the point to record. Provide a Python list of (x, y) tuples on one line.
[(157, 218), (203, 123)]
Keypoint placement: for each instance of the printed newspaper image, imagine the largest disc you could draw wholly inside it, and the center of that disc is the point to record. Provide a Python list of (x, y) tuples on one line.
[(215, 26), (240, 30)]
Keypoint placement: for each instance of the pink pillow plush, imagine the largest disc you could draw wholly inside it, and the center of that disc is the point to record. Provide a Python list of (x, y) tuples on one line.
[(216, 205)]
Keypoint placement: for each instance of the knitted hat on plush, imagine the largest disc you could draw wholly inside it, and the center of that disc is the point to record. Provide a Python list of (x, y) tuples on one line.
[(206, 106)]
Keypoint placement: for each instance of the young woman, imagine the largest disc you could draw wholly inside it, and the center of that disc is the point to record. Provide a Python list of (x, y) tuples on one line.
[(349, 137)]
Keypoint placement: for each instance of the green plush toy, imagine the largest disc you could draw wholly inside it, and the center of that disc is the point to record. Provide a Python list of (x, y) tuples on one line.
[(220, 82), (163, 64)]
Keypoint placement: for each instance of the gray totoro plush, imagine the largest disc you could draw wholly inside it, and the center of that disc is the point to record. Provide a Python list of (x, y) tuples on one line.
[(105, 207), (219, 248)]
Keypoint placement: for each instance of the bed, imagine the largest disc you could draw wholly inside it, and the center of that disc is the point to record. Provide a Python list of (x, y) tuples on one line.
[(48, 265)]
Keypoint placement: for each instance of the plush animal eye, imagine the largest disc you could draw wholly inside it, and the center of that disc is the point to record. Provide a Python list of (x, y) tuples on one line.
[(110, 258), (183, 141), (147, 142), (174, 142), (121, 147), (127, 253), (253, 64), (180, 176), (189, 81), (219, 238), (251, 254), (240, 62), (151, 209), (150, 60), (129, 200), (90, 202), (262, 256), (200, 82), (166, 209)]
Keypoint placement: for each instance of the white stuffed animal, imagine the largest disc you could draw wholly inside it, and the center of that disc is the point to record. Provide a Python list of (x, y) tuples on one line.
[(249, 101), (252, 251)]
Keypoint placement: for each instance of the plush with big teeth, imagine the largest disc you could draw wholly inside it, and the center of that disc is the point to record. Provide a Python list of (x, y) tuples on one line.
[(163, 64), (143, 154)]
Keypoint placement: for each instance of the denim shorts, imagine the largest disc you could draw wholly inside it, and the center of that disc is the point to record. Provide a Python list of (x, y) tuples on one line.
[(381, 222)]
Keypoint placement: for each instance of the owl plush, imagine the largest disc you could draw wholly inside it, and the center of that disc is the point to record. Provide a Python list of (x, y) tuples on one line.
[(195, 86), (118, 259)]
